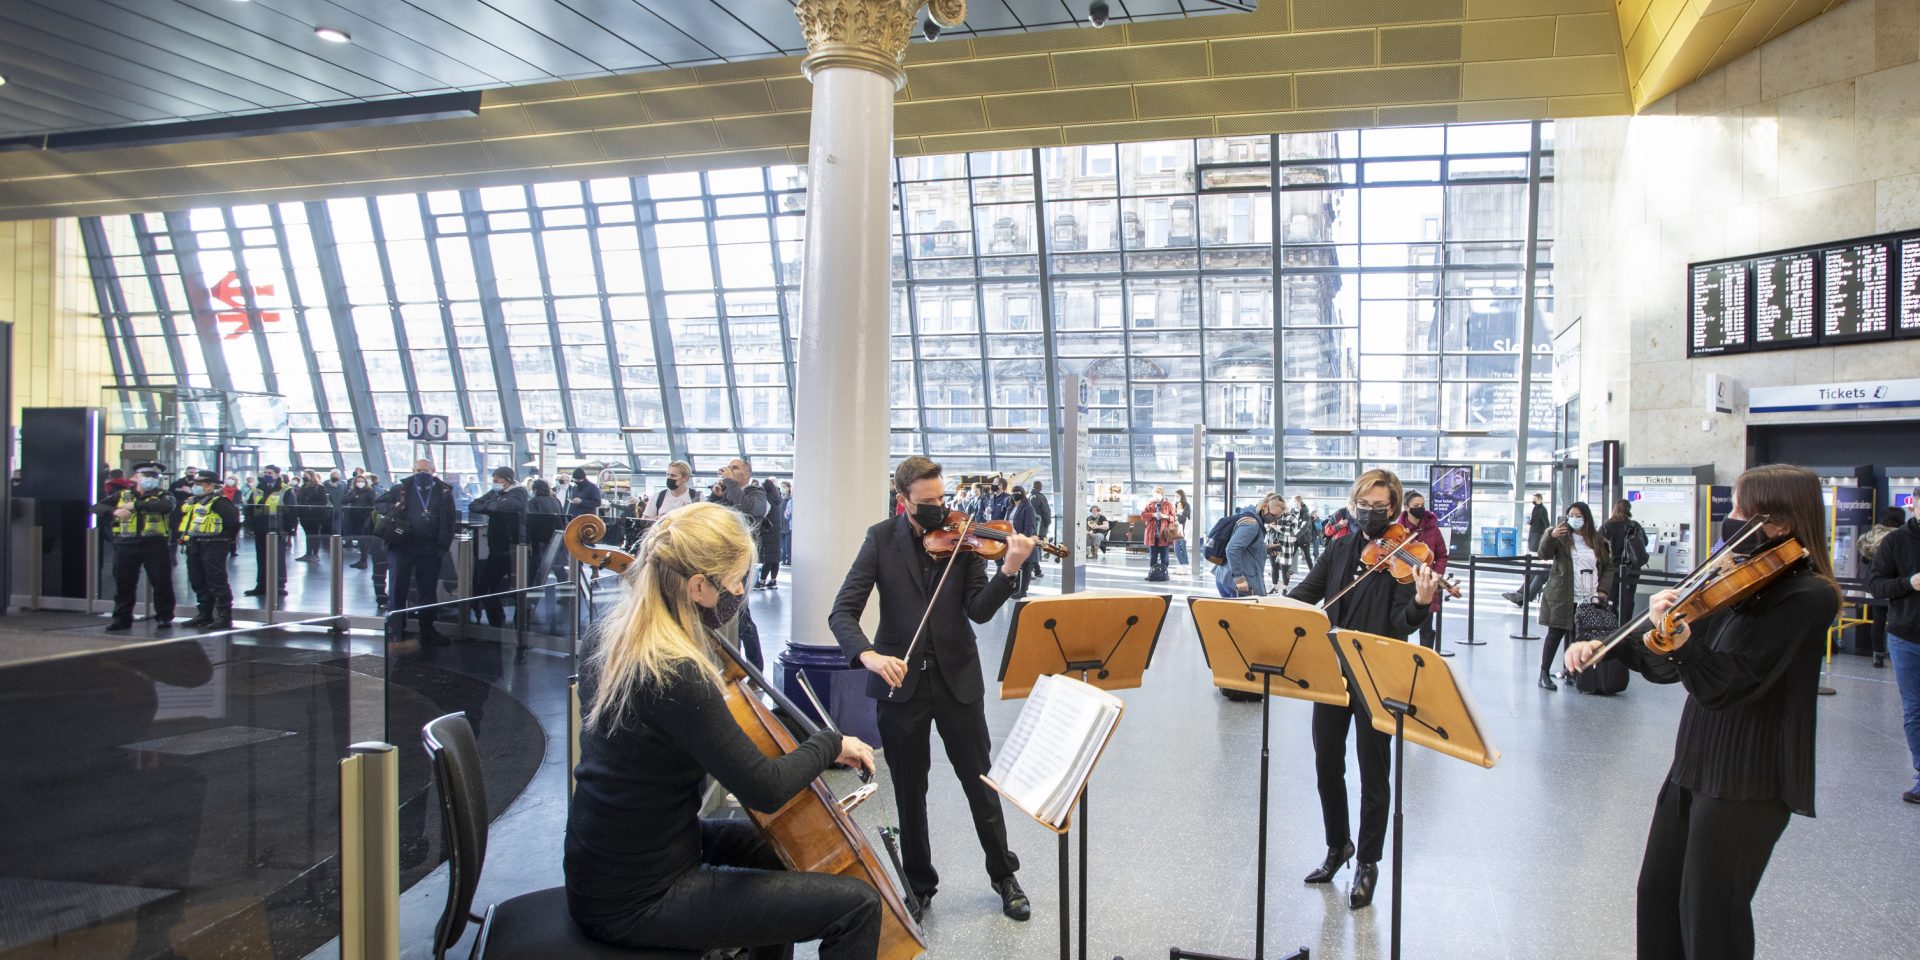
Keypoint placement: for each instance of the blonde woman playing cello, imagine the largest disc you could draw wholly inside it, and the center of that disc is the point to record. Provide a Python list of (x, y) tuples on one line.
[(1743, 761), (642, 868)]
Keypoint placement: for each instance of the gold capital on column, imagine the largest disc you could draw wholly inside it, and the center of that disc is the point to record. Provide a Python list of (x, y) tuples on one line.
[(868, 34)]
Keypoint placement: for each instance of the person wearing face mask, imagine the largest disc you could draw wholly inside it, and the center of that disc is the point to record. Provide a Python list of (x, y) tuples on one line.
[(642, 868), (138, 521), (1026, 522), (1743, 759), (939, 683), (269, 510), (1158, 518), (1243, 572), (1425, 528), (584, 497), (1895, 577), (1580, 571), (1378, 605), (505, 507), (419, 515), (356, 515), (678, 492), (209, 524)]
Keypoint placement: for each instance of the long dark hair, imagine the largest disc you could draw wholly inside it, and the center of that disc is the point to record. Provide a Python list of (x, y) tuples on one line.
[(1588, 532), (1790, 496), (1623, 509)]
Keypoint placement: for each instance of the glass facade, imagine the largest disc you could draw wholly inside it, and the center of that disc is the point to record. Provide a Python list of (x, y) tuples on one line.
[(654, 317)]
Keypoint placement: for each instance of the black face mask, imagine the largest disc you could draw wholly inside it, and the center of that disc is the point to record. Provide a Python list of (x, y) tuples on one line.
[(930, 516), (673, 485), (1731, 529), (268, 483), (1419, 513), (722, 612), (1371, 522)]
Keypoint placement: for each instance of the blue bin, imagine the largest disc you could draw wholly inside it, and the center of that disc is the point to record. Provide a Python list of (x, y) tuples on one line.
[(1509, 541), (1489, 541)]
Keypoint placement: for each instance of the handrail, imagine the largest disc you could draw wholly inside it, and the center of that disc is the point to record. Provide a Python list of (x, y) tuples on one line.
[(487, 596)]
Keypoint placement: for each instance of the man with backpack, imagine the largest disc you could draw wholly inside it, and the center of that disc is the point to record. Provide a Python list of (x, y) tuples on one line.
[(417, 521), (1236, 546), (678, 493)]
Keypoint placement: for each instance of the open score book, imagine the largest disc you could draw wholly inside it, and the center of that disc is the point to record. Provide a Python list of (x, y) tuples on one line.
[(1053, 746)]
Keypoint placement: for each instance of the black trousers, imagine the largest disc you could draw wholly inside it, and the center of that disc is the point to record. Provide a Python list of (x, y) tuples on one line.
[(740, 896), (154, 557), (207, 574), (416, 581), (492, 577), (905, 729), (260, 562), (1330, 725), (1703, 863)]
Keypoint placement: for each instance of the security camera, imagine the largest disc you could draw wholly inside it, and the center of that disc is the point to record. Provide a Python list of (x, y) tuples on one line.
[(930, 30), (1097, 12)]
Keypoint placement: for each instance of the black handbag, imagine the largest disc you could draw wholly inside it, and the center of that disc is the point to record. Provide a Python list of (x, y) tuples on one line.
[(1592, 621)]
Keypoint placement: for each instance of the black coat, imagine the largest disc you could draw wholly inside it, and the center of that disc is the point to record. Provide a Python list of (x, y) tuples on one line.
[(506, 515), (1895, 562), (1537, 524), (357, 513), (431, 515), (892, 559)]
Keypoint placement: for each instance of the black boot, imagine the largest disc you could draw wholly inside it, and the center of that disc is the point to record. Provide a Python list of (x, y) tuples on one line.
[(1013, 900), (1363, 880), (1546, 680), (222, 617), (1336, 858), (205, 617)]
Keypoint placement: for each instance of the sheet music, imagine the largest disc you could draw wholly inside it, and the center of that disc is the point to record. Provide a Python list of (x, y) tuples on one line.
[(1052, 748)]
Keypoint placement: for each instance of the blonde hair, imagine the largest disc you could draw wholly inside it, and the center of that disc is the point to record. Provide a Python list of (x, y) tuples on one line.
[(656, 626), (1379, 478)]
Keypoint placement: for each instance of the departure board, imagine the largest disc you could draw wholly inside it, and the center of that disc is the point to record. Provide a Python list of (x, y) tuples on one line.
[(1717, 309), (1783, 301), (1857, 291), (1910, 287)]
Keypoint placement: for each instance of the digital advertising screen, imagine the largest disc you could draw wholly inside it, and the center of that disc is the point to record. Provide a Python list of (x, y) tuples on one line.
[(1857, 291), (1716, 309), (1783, 301)]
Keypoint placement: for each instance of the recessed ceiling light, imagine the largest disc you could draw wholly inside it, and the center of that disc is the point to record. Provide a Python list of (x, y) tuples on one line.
[(332, 34)]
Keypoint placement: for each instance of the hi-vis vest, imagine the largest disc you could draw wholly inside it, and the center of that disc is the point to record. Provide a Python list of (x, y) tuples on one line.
[(199, 522), (137, 524), (271, 501)]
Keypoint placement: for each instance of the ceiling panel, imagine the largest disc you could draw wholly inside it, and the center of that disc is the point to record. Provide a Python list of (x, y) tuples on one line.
[(90, 64)]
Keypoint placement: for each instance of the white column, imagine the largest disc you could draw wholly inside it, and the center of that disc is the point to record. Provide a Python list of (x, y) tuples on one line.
[(841, 388)]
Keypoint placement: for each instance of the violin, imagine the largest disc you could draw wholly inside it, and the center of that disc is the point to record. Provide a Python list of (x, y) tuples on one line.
[(814, 832), (987, 538), (1396, 551), (1733, 579)]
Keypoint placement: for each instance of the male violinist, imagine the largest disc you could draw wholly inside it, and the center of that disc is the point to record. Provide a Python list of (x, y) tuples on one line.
[(930, 679)]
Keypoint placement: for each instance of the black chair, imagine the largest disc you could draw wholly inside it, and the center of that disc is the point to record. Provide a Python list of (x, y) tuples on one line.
[(532, 926)]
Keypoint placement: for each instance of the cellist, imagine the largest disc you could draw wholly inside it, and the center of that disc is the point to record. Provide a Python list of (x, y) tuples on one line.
[(642, 868), (1743, 760)]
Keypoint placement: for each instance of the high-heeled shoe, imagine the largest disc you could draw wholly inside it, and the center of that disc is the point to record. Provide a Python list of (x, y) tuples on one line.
[(1546, 681), (1336, 858), (1363, 881)]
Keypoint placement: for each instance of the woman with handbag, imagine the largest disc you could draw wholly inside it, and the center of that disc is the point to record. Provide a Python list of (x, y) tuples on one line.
[(1580, 573), (1627, 540)]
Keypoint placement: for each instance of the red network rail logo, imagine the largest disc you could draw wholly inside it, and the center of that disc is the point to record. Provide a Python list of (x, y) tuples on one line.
[(229, 292)]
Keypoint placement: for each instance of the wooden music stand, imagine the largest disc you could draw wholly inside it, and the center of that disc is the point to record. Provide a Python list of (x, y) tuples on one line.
[(1102, 637), (1397, 680), (1247, 643)]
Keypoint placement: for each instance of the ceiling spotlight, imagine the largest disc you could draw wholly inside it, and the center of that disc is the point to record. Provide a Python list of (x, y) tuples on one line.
[(930, 30), (1097, 12), (332, 34)]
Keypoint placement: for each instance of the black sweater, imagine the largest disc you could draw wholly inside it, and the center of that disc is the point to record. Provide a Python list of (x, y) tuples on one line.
[(633, 824), (1380, 605), (1752, 675), (1895, 562)]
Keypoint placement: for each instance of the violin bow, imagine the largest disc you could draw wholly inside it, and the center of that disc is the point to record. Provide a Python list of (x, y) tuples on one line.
[(944, 573), (1686, 586), (1382, 562)]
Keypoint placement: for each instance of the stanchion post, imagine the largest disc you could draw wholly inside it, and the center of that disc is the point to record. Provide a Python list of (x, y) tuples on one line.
[(1526, 577), (1473, 588), (573, 731), (573, 618), (337, 593), (521, 595), (270, 578), (370, 853), (463, 579)]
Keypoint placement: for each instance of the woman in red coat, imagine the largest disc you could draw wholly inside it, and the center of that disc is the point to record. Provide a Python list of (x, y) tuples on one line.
[(1158, 516), (1426, 529)]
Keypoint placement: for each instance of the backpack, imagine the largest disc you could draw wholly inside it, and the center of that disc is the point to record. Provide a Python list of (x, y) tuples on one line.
[(1218, 536), (661, 497), (1870, 541)]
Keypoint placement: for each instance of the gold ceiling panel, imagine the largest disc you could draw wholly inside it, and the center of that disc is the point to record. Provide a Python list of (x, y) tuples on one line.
[(1291, 65), (1670, 43)]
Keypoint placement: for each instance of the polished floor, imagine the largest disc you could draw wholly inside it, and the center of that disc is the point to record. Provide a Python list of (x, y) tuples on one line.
[(1534, 858)]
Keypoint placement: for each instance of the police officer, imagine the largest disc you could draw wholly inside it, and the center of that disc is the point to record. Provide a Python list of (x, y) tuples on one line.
[(269, 510), (208, 524), (138, 524)]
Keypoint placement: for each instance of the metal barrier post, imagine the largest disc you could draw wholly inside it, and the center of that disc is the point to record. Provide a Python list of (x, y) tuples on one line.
[(143, 591), (521, 597), (370, 853), (1526, 577), (573, 731), (463, 550), (337, 594), (573, 617), (270, 579), (1473, 585)]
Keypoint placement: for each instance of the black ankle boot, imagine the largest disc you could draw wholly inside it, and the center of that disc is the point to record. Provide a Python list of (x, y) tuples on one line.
[(1336, 858), (1363, 881), (1546, 680)]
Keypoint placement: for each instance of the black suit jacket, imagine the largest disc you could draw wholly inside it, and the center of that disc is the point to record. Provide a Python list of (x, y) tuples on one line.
[(890, 560)]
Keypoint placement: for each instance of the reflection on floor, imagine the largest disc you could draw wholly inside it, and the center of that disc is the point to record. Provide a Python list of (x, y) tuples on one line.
[(1534, 858)]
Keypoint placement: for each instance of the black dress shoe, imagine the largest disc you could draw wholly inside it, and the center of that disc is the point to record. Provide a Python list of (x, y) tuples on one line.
[(1363, 880), (1013, 900), (1336, 858), (119, 625), (163, 623), (1546, 681)]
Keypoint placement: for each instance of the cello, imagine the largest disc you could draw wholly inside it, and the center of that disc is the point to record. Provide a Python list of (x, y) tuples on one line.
[(814, 832)]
